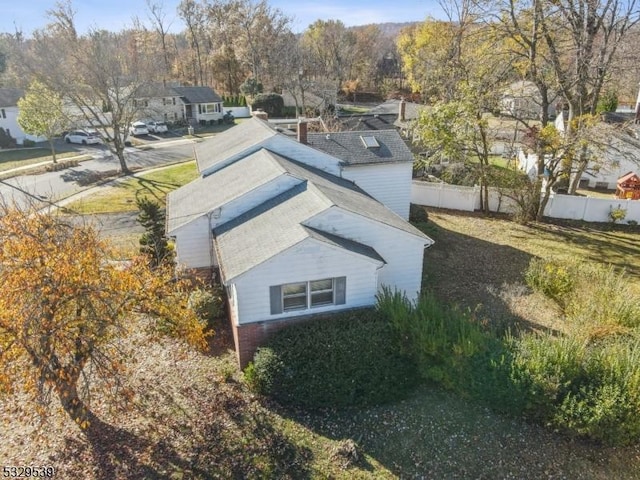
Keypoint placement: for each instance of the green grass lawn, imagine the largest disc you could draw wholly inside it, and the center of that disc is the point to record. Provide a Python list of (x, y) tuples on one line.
[(122, 195), (22, 158)]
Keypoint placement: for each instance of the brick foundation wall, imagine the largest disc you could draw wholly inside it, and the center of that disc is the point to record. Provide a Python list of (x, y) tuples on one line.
[(250, 336)]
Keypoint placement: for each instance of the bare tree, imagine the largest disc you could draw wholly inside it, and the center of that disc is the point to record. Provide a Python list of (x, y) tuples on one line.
[(193, 15), (99, 75), (158, 18)]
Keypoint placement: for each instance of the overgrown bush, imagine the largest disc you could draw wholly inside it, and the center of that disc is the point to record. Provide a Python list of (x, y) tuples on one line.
[(207, 304), (442, 341), (272, 103), (572, 382), (555, 279), (592, 296), (347, 359), (590, 389), (26, 143), (603, 297)]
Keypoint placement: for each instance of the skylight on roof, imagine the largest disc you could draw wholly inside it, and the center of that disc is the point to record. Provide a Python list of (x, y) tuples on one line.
[(369, 142)]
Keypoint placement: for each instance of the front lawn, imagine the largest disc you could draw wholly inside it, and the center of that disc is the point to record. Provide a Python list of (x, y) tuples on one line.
[(29, 156), (122, 195)]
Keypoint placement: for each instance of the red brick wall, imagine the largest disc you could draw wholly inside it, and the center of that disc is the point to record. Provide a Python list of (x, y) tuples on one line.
[(250, 336)]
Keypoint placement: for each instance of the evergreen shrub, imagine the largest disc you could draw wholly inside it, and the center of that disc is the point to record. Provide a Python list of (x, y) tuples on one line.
[(347, 359)]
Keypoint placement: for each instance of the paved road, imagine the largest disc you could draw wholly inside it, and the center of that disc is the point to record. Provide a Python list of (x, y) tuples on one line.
[(51, 186)]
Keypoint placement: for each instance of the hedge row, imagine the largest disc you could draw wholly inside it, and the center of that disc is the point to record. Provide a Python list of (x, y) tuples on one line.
[(344, 360)]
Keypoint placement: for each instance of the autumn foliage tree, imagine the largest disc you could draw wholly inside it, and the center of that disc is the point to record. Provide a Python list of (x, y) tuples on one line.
[(66, 303)]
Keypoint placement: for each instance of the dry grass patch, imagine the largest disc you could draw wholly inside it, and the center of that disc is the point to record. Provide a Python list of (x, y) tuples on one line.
[(479, 262)]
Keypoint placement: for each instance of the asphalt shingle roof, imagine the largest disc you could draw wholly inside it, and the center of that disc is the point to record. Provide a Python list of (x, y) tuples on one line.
[(344, 243), (204, 194), (369, 122), (197, 94), (267, 230), (277, 224), (350, 149), (243, 137), (9, 96)]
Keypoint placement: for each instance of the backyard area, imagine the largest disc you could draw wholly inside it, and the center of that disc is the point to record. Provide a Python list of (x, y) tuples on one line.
[(190, 415)]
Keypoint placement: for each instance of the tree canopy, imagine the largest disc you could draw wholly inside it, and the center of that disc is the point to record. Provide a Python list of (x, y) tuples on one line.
[(66, 301), (41, 113)]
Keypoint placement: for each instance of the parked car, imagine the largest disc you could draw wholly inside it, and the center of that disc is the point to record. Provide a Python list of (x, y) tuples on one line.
[(138, 128), (157, 127), (84, 137)]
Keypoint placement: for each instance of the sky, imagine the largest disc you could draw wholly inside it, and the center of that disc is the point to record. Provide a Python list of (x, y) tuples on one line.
[(28, 15)]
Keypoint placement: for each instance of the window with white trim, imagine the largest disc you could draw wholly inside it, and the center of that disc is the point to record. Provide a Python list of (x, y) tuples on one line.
[(306, 295), (209, 108)]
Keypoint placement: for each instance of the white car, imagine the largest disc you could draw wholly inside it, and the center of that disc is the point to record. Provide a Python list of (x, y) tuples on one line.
[(157, 127), (138, 128), (83, 137)]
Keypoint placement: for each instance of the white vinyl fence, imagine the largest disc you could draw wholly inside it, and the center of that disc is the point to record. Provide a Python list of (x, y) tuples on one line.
[(455, 197)]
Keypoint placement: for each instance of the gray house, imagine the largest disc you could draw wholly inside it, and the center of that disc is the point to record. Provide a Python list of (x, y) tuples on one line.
[(175, 103)]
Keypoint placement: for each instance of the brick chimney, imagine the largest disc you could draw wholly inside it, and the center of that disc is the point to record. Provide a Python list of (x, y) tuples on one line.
[(302, 130), (402, 109)]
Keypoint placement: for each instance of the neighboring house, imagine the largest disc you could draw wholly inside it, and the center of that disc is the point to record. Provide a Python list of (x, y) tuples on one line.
[(522, 100), (621, 157), (175, 103), (405, 112), (289, 231), (9, 115)]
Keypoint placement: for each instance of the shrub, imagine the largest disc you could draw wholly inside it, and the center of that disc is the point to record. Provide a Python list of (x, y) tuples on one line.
[(28, 143), (553, 278), (343, 360), (6, 140), (418, 214), (442, 341), (617, 214), (207, 304), (602, 297), (591, 295), (590, 389), (272, 103)]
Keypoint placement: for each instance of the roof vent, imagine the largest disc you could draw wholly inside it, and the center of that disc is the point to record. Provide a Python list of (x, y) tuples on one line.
[(328, 136), (369, 142)]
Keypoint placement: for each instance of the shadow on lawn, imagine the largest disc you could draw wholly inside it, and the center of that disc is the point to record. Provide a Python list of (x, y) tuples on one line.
[(603, 243), (476, 275), (88, 177), (219, 434)]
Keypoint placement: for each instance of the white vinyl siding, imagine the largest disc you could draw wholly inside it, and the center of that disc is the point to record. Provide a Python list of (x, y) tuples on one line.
[(311, 260), (402, 252), (389, 183), (194, 244)]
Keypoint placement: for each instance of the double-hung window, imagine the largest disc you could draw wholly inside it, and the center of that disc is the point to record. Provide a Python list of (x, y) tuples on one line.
[(306, 295)]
